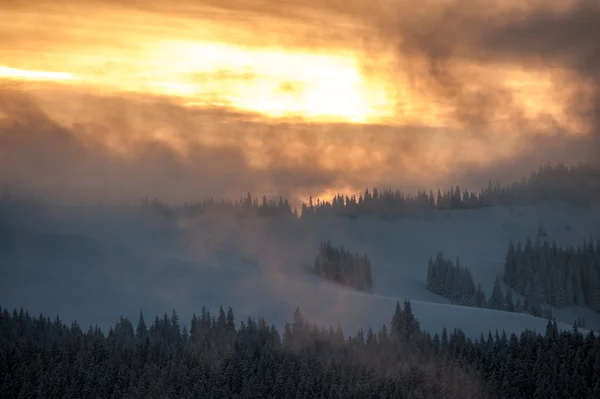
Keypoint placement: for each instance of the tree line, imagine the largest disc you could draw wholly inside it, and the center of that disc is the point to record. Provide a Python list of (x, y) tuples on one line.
[(559, 364), (577, 184), (343, 267), (218, 357), (560, 276), (455, 282), (247, 206)]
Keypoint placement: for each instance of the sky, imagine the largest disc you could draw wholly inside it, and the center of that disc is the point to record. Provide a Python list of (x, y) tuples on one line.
[(113, 100)]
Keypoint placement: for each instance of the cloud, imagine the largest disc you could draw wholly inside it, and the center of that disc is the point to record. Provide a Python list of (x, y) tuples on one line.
[(477, 64), (563, 39), (122, 148), (505, 83), (462, 55), (465, 54), (114, 157)]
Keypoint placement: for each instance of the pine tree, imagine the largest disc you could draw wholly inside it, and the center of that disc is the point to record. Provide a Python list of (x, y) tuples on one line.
[(559, 289), (510, 306), (579, 296), (533, 297), (569, 289), (430, 275), (221, 320), (287, 336), (411, 323), (594, 291), (552, 329), (398, 324), (444, 338), (141, 330), (497, 300), (510, 266), (481, 302), (175, 331), (230, 320)]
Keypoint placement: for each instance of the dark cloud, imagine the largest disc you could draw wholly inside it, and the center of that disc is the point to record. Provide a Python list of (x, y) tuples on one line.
[(436, 39), (79, 162), (565, 39), (536, 151)]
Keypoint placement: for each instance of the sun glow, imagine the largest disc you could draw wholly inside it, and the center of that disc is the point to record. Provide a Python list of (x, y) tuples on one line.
[(203, 60), (268, 66), (21, 74), (273, 82)]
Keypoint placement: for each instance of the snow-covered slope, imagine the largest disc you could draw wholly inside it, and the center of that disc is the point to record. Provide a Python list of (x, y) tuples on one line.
[(94, 265)]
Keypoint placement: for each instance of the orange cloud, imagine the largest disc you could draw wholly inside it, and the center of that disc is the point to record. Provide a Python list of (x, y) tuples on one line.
[(369, 64), (324, 95)]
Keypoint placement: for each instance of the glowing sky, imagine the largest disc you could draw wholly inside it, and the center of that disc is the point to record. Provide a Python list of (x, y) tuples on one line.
[(328, 81), (194, 59)]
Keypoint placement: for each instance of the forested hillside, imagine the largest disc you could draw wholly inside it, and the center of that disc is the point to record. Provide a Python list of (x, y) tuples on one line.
[(560, 276), (560, 184), (576, 185), (124, 258), (217, 358), (455, 282)]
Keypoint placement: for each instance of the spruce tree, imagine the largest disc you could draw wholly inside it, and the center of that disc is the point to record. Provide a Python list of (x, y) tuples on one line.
[(509, 303), (398, 324), (411, 323), (594, 291), (481, 302), (141, 330), (510, 266), (497, 300), (230, 320)]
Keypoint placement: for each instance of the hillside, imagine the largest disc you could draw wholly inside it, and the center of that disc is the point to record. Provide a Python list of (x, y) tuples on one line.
[(90, 263)]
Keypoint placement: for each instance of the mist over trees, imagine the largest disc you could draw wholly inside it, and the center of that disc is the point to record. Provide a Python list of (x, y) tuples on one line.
[(560, 276), (576, 185), (244, 207), (218, 357), (341, 266), (455, 282)]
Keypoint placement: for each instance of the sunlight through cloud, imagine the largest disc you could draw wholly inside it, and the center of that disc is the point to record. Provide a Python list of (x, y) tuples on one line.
[(23, 74)]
